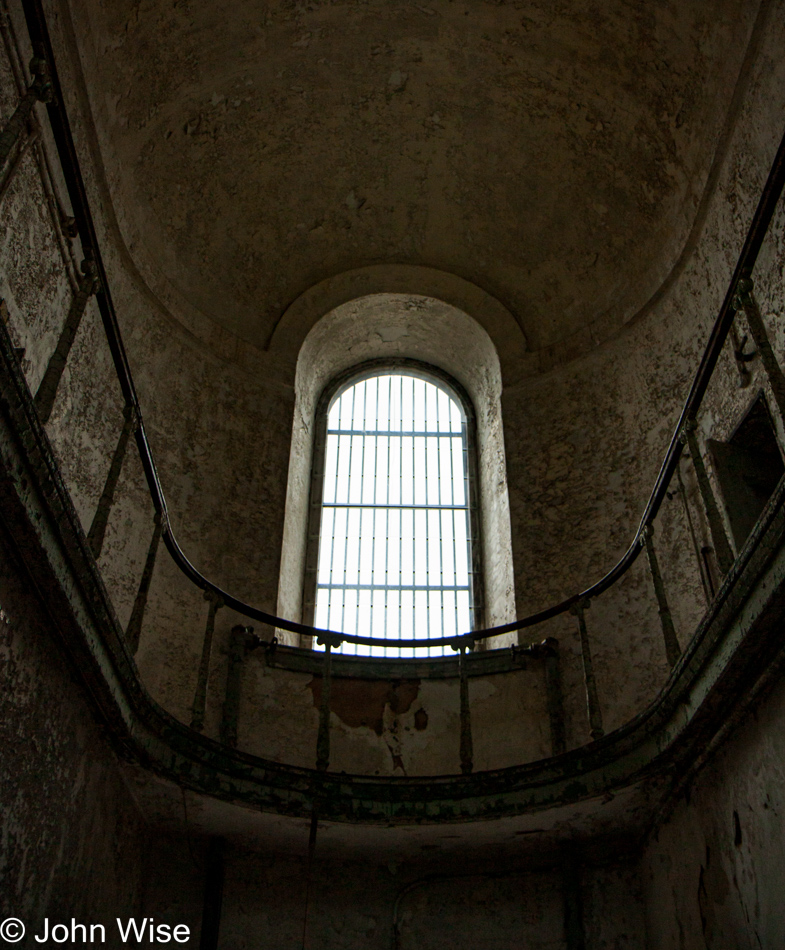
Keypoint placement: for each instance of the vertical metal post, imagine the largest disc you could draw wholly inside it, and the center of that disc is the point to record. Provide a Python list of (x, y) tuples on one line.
[(745, 301), (573, 904), (672, 648), (741, 358), (134, 629), (705, 576), (323, 737), (40, 90), (95, 536), (592, 701), (47, 389), (719, 538), (553, 694), (200, 696), (241, 643), (213, 895), (466, 747)]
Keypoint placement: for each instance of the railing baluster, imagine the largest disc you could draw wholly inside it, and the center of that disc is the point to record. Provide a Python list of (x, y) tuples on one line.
[(134, 629), (242, 641), (95, 536), (746, 302), (740, 357), (466, 746), (47, 389), (553, 695), (39, 90), (672, 648), (200, 695), (592, 700), (323, 736), (722, 547), (703, 571)]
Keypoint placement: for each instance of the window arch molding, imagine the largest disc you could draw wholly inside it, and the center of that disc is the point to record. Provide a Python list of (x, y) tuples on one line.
[(389, 326), (347, 380)]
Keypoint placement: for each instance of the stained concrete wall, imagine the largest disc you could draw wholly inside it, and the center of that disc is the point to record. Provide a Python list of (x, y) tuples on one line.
[(221, 432), (582, 442), (67, 819), (354, 900), (379, 727), (714, 871), (582, 445)]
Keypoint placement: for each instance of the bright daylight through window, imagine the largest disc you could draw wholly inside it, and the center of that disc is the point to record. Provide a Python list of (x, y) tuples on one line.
[(393, 501)]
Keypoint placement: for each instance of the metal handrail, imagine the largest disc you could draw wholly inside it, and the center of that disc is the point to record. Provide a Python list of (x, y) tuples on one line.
[(41, 43)]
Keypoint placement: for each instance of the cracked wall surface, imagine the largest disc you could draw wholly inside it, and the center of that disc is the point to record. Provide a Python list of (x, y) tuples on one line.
[(582, 444), (451, 182)]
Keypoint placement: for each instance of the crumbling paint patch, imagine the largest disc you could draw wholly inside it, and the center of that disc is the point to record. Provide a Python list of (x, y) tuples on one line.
[(359, 702)]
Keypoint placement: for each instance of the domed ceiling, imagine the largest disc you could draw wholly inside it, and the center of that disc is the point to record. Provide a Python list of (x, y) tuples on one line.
[(553, 152)]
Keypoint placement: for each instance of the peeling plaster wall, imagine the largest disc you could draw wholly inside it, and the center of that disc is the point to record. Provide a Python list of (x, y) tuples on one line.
[(714, 872), (712, 875), (67, 819), (351, 904), (553, 155), (379, 727), (582, 442)]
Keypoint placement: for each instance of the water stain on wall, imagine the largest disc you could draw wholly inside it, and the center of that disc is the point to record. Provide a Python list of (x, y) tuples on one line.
[(359, 702)]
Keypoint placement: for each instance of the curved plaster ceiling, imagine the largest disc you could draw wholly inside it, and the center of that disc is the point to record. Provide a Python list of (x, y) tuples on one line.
[(552, 152)]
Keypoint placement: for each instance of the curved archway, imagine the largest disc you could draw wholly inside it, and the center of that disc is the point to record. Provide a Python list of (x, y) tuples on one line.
[(388, 326), (305, 312)]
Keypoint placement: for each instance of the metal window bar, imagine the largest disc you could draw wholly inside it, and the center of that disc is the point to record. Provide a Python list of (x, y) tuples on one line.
[(391, 528)]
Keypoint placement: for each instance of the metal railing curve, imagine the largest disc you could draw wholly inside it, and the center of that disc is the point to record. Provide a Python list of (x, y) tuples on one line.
[(46, 88)]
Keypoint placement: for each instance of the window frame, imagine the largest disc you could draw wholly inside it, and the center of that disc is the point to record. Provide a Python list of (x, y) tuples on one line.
[(356, 374)]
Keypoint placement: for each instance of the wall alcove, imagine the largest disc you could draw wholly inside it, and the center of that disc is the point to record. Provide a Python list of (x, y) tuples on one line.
[(426, 329)]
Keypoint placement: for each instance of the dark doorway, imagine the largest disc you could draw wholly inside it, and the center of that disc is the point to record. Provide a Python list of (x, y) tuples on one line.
[(748, 466)]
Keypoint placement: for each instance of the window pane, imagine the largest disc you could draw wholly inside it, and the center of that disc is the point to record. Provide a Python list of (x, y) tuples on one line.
[(393, 554)]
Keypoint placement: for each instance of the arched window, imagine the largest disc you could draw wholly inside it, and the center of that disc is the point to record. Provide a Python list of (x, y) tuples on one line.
[(393, 530)]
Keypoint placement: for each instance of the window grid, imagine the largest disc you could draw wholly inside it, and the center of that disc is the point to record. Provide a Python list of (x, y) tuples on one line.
[(393, 555)]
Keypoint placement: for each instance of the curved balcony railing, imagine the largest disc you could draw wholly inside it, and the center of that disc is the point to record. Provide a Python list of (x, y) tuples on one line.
[(45, 87)]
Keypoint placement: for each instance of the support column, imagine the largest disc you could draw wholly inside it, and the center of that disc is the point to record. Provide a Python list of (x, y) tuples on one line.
[(672, 648)]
